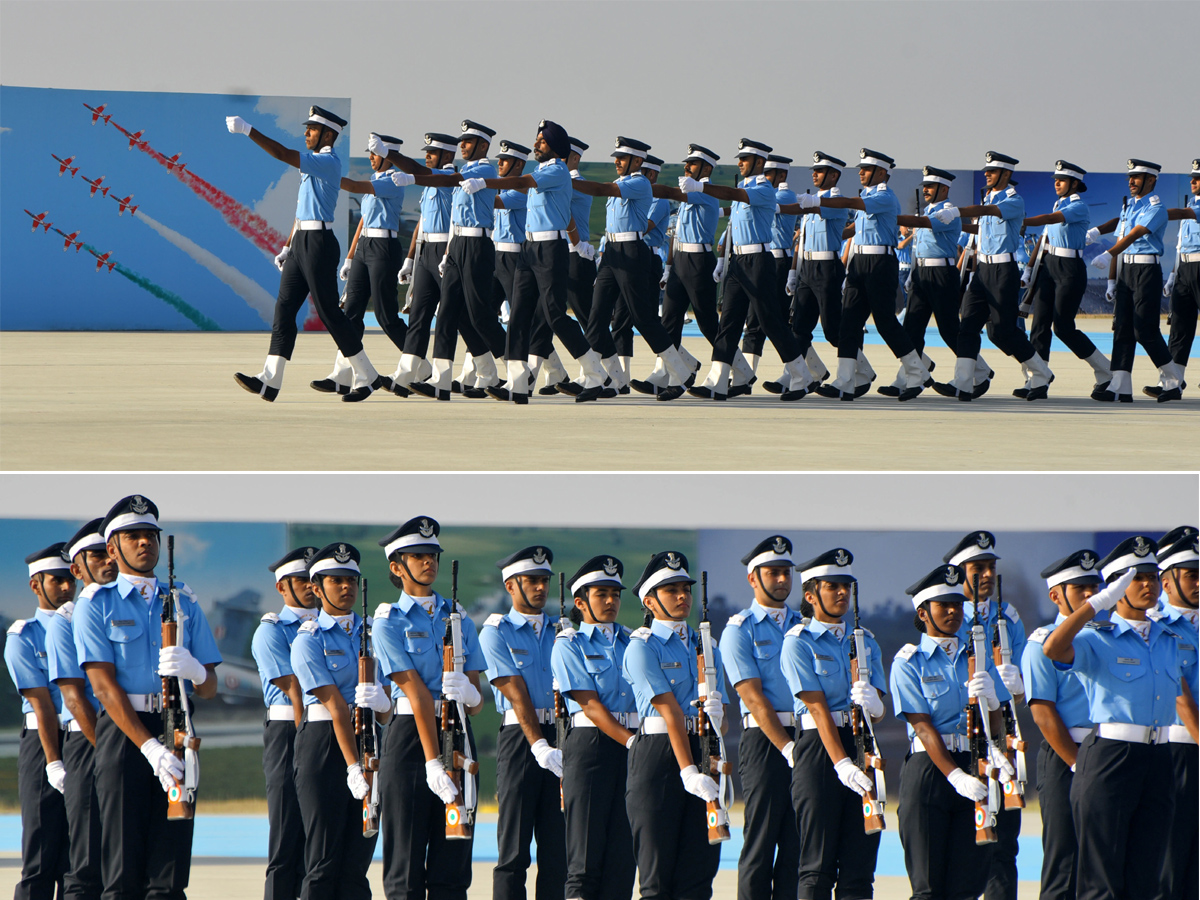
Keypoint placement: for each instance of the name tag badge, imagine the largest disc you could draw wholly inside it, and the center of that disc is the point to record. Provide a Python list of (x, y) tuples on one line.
[(1128, 661), (123, 623), (329, 652), (672, 665), (417, 634), (824, 657), (929, 679), (1186, 647), (763, 643), (519, 651), (597, 656)]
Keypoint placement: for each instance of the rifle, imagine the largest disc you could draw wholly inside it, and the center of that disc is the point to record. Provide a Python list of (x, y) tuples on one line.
[(562, 719), (866, 750), (456, 749), (972, 248), (1121, 233), (364, 730), (711, 758), (1023, 306), (979, 734), (178, 736), (1014, 744)]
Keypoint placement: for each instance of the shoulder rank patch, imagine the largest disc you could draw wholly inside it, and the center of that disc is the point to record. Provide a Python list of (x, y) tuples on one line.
[(1012, 192), (1011, 612), (906, 651), (869, 633), (797, 629), (16, 627), (270, 618), (494, 620), (1154, 201), (67, 610), (835, 191), (383, 610), (1039, 636), (1155, 614), (309, 626), (736, 619), (642, 634)]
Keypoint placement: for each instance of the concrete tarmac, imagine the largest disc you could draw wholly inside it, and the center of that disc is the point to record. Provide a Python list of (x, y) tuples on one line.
[(167, 401)]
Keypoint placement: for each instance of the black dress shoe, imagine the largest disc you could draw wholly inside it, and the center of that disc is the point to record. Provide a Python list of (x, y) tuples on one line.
[(396, 388), (569, 387), (425, 389), (1021, 393), (1038, 393), (773, 387), (455, 387), (739, 390), (496, 392), (673, 392), (644, 387), (1172, 394), (474, 393), (981, 389), (357, 395), (328, 386), (1124, 398), (254, 385), (1104, 395), (945, 388), (623, 390), (828, 390), (861, 389), (520, 399), (550, 390), (586, 395), (704, 392), (607, 393), (888, 390), (910, 393), (789, 395), (1152, 390), (691, 380)]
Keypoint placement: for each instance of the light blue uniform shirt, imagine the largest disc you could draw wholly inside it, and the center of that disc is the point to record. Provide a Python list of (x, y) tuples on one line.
[(25, 656), (271, 648), (61, 657), (1189, 230), (658, 662), (1016, 628), (324, 654), (876, 225), (940, 239), (512, 648), (550, 201), (115, 625), (660, 215), (435, 205), (1003, 234), (783, 229), (475, 210), (1188, 639), (925, 680), (581, 210), (823, 228), (750, 646), (1045, 681), (405, 638), (630, 211), (382, 209), (1071, 233), (815, 660), (510, 221), (320, 181), (1150, 213), (751, 223), (590, 662), (697, 219)]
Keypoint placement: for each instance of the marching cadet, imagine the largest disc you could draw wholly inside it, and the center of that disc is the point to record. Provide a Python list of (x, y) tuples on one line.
[(118, 635), (668, 816), (414, 785), (1124, 794), (325, 661), (827, 785), (750, 648), (45, 850), (1060, 709), (930, 689), (587, 663), (271, 648), (1183, 284), (992, 294), (518, 648), (311, 258), (581, 268)]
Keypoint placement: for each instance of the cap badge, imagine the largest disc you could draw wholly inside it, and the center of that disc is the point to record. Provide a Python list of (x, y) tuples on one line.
[(610, 566), (342, 554), (309, 553), (1140, 547), (951, 575), (539, 555), (673, 561), (841, 558), (428, 138), (1087, 561), (137, 504), (425, 529), (780, 545), (983, 540)]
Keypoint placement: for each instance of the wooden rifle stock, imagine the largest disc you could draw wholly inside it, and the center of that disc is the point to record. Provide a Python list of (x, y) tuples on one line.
[(175, 737), (985, 822), (864, 740), (711, 761), (364, 729), (1014, 745), (460, 819)]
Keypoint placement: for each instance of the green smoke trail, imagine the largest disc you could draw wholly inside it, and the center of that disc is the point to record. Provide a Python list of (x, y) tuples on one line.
[(193, 315)]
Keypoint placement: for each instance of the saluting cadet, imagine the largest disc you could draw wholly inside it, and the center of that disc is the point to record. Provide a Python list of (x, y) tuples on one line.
[(330, 784), (750, 648), (1123, 796), (311, 258), (668, 816), (118, 637), (587, 665), (931, 690), (408, 639), (518, 648), (45, 849), (827, 785), (1183, 284), (271, 648), (1060, 709)]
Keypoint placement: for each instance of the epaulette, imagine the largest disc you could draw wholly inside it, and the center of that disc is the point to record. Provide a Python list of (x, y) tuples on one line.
[(66, 610), (1154, 201), (1100, 626), (796, 630), (494, 620), (16, 627), (869, 633), (835, 191), (1076, 198), (1155, 614), (1011, 612), (642, 634), (310, 626), (270, 618), (736, 619), (1012, 192), (1039, 636), (567, 634), (906, 651), (90, 591), (383, 610)]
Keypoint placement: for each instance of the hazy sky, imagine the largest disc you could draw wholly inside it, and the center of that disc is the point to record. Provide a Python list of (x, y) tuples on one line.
[(926, 82)]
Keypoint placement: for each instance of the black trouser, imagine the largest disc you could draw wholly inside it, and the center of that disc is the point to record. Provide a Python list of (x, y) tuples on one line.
[(871, 292), (1181, 871), (754, 337), (1056, 295), (1184, 304), (600, 864), (750, 284), (285, 842), (626, 272), (1136, 312), (44, 844), (818, 295), (934, 292), (83, 817), (466, 303), (581, 279), (377, 261), (540, 286), (646, 312), (336, 855), (1059, 847), (312, 269), (1123, 803), (1002, 870), (143, 855), (691, 282), (771, 846), (834, 847), (423, 296), (529, 801), (992, 299), (418, 861), (937, 830), (670, 826)]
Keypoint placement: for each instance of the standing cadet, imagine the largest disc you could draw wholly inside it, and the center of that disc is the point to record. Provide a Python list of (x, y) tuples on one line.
[(118, 635), (668, 816), (418, 858), (330, 784), (311, 266), (827, 784), (750, 647), (587, 664), (45, 850), (1060, 709), (518, 648), (1123, 796), (1183, 284), (271, 647)]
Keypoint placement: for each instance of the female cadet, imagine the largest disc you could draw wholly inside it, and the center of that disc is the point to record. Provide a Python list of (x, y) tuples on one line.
[(826, 782), (325, 661), (414, 785), (930, 689), (668, 817), (587, 669)]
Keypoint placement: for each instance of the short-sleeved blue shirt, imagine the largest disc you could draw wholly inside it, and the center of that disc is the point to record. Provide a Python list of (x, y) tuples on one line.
[(1045, 681), (940, 239), (512, 648), (25, 657), (1188, 639), (750, 646), (1071, 233), (581, 210), (320, 181), (550, 201), (660, 214), (271, 648), (474, 210), (1151, 213), (658, 662), (1189, 229), (631, 210), (876, 225), (823, 228), (382, 209), (751, 223), (588, 661), (925, 680), (697, 220), (61, 656), (324, 654), (435, 205), (783, 228), (1002, 234), (405, 638), (510, 221), (814, 659)]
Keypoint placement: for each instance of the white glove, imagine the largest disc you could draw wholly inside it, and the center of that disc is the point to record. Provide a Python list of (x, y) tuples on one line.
[(946, 214), (505, 312), (998, 760), (1108, 597), (371, 696), (867, 697), (457, 686), (585, 250), (792, 278), (237, 125), (629, 743), (375, 145), (406, 271), (719, 269), (1111, 293), (690, 185), (852, 776), (471, 185), (178, 662), (166, 765), (808, 201), (357, 782), (402, 179), (439, 782), (699, 785), (1026, 276), (981, 685), (56, 774), (1102, 259), (662, 282), (282, 256), (442, 267), (547, 757), (1093, 235), (1170, 285), (344, 271), (908, 284), (787, 751), (971, 788), (1011, 676), (714, 708)]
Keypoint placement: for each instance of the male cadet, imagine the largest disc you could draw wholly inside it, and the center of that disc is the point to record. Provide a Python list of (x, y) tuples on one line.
[(118, 632), (1060, 709), (1183, 284), (750, 647), (271, 647), (976, 555), (992, 294), (750, 281), (40, 771), (518, 647), (311, 259)]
